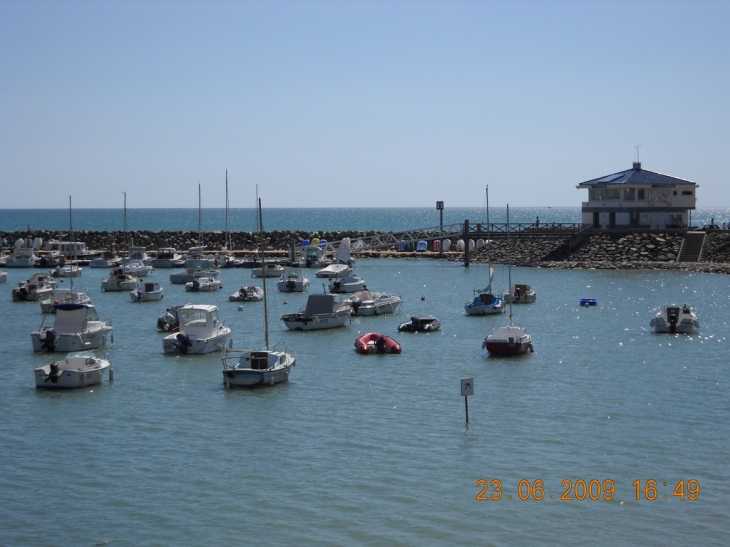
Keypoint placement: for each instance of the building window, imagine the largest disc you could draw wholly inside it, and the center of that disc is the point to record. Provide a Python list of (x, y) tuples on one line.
[(612, 194), (629, 194), (641, 194), (595, 194), (686, 192)]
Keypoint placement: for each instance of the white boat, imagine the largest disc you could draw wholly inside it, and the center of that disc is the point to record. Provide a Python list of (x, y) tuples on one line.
[(484, 302), (118, 280), (334, 271), (139, 253), (194, 268), (167, 257), (323, 311), (366, 303), (313, 256), (268, 366), (200, 331), (22, 257), (203, 284), (271, 270), (169, 321), (68, 270), (342, 255), (63, 296), (77, 327), (38, 287), (351, 283), (78, 369), (293, 280), (675, 319), (136, 267), (109, 259), (3, 276), (520, 294), (248, 293), (146, 292), (512, 339)]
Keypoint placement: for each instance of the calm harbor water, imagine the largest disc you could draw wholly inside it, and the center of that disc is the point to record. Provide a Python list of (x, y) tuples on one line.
[(374, 450)]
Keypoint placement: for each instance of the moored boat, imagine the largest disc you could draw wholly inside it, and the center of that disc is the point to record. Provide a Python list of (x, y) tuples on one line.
[(323, 311), (77, 327), (78, 369), (374, 342), (423, 323), (675, 319), (200, 331), (147, 292)]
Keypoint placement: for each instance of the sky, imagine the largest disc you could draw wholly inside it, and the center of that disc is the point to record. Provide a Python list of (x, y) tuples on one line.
[(357, 103)]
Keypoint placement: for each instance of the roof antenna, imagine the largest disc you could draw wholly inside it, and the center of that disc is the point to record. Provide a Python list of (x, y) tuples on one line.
[(637, 153), (637, 163)]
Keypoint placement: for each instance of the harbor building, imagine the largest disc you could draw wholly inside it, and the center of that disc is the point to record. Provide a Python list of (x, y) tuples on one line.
[(637, 198)]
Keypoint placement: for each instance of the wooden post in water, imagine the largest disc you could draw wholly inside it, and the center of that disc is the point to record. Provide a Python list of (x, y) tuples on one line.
[(466, 243)]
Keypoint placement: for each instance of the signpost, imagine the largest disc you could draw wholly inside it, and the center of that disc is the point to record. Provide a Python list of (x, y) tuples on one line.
[(467, 388), (440, 207)]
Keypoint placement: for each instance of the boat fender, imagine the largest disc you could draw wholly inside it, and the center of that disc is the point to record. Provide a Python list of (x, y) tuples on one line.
[(271, 381)]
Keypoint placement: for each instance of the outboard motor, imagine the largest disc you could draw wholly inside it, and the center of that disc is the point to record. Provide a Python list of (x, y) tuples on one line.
[(380, 344), (196, 285), (49, 340), (243, 293), (183, 342), (54, 374), (517, 293), (290, 285), (309, 262), (23, 293), (673, 323), (355, 305)]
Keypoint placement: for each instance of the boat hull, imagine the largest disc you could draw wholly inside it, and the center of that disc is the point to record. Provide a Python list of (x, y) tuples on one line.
[(72, 372), (68, 342), (297, 321), (199, 346)]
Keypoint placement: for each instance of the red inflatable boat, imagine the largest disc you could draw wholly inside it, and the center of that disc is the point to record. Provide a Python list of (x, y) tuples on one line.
[(374, 342)]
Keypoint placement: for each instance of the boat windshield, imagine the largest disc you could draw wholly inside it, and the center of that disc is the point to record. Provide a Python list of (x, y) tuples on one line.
[(91, 314), (192, 318)]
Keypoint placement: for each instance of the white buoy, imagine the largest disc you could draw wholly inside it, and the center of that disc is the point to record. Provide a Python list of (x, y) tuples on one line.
[(240, 308), (111, 374)]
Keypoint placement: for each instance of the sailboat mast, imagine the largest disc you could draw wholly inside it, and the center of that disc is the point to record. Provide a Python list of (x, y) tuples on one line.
[(509, 267), (489, 242), (71, 228), (125, 217), (199, 218), (228, 234), (263, 269)]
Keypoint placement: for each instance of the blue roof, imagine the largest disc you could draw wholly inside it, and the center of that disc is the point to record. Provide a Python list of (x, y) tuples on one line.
[(636, 175)]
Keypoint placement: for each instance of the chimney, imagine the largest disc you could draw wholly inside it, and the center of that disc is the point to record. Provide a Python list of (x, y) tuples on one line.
[(637, 166)]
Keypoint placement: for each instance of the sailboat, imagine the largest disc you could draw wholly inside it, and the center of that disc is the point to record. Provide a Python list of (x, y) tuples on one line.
[(69, 270), (486, 303), (512, 339), (226, 258), (258, 367)]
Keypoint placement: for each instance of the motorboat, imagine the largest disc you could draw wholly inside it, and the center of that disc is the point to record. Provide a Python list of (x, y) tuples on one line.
[(374, 342), (136, 267), (293, 280), (313, 256), (268, 270), (77, 327), (108, 259), (248, 293), (675, 319), (334, 271), (38, 287), (167, 257), (67, 270), (63, 296), (119, 280), (511, 339), (588, 302), (78, 369), (351, 283), (22, 257), (169, 321), (520, 294), (203, 284), (194, 268), (508, 340), (342, 255), (146, 292), (323, 311), (424, 323), (200, 331), (139, 253), (268, 366), (366, 303)]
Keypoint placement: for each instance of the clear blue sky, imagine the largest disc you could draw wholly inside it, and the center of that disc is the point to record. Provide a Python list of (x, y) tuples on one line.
[(359, 103)]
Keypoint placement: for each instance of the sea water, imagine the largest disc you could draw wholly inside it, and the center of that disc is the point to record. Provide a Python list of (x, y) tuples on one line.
[(313, 220), (375, 450)]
